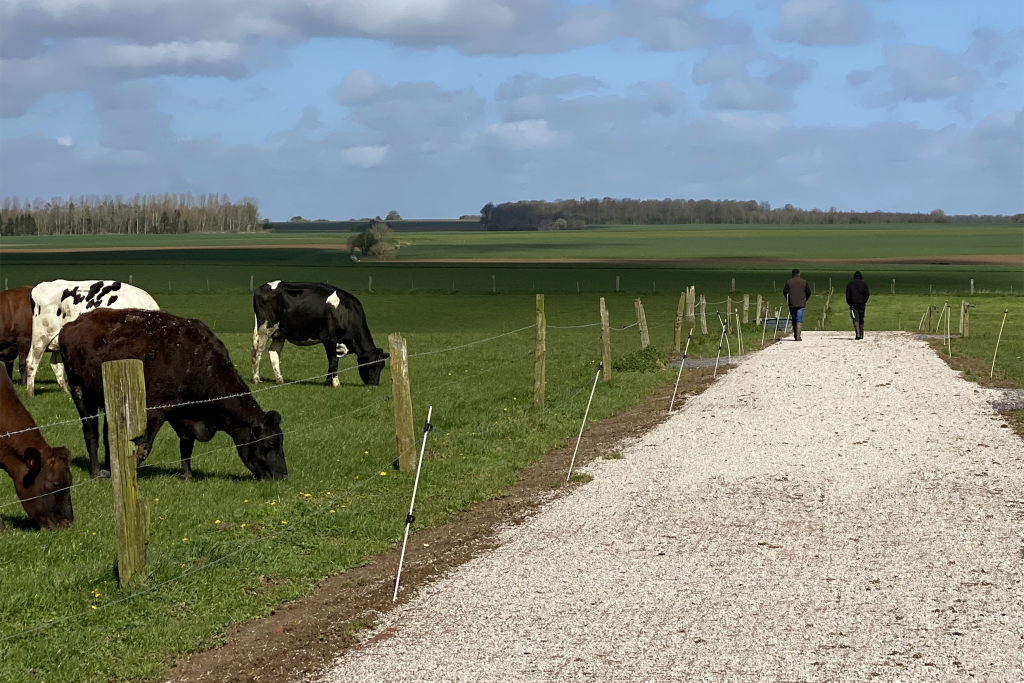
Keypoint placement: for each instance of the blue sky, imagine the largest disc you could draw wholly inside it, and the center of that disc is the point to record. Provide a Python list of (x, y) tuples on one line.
[(434, 107)]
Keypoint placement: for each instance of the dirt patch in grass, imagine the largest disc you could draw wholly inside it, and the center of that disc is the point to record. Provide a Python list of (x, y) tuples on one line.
[(302, 637)]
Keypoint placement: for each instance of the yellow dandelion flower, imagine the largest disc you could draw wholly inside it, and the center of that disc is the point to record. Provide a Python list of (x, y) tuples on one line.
[(383, 474), (332, 511), (216, 521)]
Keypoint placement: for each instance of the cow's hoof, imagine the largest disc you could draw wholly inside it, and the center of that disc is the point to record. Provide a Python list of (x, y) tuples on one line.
[(256, 380), (279, 380), (185, 476)]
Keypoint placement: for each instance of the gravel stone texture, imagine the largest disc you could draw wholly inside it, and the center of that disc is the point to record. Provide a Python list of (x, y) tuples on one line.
[(830, 510)]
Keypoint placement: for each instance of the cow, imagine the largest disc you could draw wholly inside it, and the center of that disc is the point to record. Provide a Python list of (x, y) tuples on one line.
[(190, 383), (310, 313), (42, 475), (16, 329), (56, 303)]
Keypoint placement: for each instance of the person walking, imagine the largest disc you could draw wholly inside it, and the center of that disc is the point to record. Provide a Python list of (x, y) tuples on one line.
[(797, 292), (857, 294)]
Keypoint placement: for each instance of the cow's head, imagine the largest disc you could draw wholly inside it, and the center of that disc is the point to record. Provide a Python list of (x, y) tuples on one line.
[(370, 366), (46, 487), (264, 454)]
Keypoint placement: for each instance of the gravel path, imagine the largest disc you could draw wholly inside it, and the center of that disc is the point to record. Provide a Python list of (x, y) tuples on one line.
[(828, 511)]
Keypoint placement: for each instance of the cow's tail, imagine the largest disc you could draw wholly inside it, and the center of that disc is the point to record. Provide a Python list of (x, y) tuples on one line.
[(255, 331)]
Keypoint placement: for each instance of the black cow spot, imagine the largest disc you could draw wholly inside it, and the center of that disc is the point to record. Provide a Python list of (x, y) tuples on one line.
[(71, 294), (111, 300), (94, 289)]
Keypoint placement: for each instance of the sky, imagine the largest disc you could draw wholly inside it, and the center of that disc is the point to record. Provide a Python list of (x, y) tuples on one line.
[(353, 108)]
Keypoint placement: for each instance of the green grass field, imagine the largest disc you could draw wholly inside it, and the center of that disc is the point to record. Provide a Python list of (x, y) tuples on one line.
[(225, 548), (622, 242)]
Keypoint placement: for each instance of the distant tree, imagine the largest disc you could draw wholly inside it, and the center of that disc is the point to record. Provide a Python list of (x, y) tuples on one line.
[(939, 216), (375, 241), (298, 219), (393, 216)]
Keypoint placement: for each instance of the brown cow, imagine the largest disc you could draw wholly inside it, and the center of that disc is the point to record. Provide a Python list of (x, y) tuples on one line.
[(16, 328), (42, 475)]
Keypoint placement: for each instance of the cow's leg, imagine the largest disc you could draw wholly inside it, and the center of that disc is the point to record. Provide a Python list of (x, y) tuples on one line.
[(35, 355), (57, 365), (261, 335), (9, 366), (91, 432), (331, 347), (275, 359), (185, 445), (23, 351)]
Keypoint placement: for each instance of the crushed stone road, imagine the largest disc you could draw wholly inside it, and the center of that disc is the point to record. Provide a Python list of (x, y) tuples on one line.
[(830, 510)]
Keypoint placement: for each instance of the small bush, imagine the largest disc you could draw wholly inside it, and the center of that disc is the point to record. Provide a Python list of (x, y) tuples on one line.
[(646, 360)]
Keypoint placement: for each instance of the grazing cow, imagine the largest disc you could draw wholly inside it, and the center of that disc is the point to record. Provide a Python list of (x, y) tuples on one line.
[(42, 475), (55, 304), (16, 329), (184, 363), (309, 313)]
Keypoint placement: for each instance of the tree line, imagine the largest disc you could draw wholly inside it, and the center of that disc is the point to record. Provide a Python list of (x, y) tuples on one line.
[(573, 214), (165, 214)]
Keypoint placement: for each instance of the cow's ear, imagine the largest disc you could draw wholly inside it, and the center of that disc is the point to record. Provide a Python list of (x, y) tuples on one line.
[(274, 418), (34, 461)]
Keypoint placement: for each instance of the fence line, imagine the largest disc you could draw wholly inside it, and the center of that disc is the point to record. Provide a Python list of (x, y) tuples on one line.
[(196, 569)]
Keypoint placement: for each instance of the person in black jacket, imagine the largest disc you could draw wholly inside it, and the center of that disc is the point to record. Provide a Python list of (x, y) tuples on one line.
[(797, 292), (857, 294)]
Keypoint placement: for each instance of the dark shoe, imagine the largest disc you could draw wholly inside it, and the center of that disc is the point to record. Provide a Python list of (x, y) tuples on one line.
[(797, 329)]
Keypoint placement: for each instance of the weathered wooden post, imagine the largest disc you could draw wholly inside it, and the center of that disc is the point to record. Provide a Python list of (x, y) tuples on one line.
[(972, 285), (494, 284), (130, 279), (967, 320), (616, 283), (734, 284), (677, 331), (728, 315), (539, 377), (931, 315), (606, 344), (124, 396), (757, 315), (641, 321), (691, 302), (892, 287), (746, 308), (369, 285), (401, 398), (703, 317), (250, 283)]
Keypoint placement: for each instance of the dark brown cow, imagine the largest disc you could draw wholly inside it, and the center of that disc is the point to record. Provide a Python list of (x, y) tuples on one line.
[(184, 363), (42, 475), (16, 328)]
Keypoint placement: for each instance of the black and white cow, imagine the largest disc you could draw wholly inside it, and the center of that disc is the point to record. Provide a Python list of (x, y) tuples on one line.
[(309, 313), (56, 303)]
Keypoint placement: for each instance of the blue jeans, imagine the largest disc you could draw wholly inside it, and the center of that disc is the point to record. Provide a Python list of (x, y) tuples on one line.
[(797, 314)]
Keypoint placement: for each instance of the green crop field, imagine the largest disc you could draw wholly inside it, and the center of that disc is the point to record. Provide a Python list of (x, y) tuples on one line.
[(225, 548), (622, 242)]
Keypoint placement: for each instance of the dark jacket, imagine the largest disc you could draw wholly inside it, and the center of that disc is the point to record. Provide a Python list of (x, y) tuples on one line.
[(797, 292), (857, 292)]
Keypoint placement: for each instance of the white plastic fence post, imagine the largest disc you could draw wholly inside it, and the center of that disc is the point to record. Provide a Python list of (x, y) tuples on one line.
[(409, 519)]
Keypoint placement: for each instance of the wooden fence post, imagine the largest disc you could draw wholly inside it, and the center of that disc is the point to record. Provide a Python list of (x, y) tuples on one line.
[(677, 331), (967, 320), (757, 315), (728, 315), (931, 315), (250, 283), (616, 283), (641, 321), (124, 396), (606, 344), (369, 285), (734, 284), (401, 398), (746, 308), (691, 301), (703, 316), (494, 284), (130, 279), (539, 377), (972, 285)]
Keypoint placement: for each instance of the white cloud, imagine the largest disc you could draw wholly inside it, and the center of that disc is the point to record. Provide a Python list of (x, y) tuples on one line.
[(65, 141), (823, 22), (366, 156), (173, 54), (528, 134), (734, 87)]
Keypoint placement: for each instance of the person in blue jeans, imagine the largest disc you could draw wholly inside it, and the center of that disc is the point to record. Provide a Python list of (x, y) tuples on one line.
[(797, 292)]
